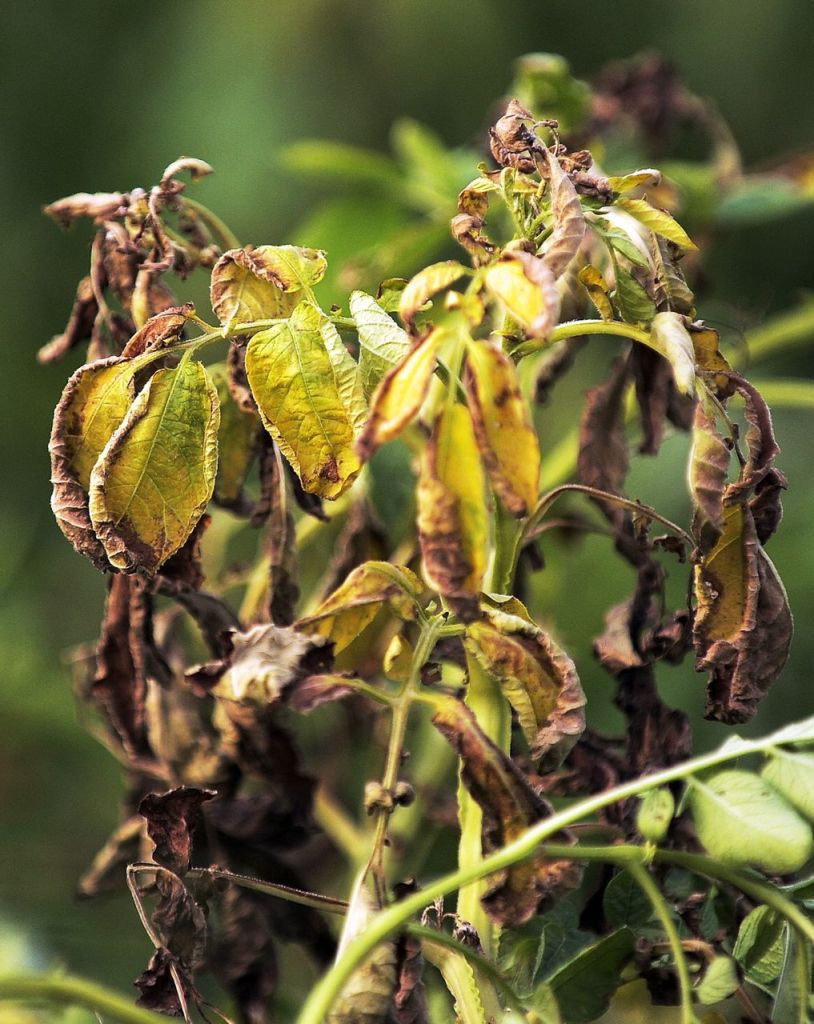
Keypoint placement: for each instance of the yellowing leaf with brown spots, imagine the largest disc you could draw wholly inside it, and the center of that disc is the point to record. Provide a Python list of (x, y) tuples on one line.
[(597, 288), (294, 383), (526, 288), (354, 605), (156, 475), (263, 283), (93, 404), (400, 394), (503, 428), (452, 515), (425, 284)]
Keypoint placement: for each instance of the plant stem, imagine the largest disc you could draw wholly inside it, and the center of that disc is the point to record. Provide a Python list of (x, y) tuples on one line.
[(329, 904), (65, 990), (214, 223), (388, 921), (575, 328)]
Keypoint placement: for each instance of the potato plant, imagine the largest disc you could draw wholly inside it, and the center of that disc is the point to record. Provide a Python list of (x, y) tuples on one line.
[(207, 463)]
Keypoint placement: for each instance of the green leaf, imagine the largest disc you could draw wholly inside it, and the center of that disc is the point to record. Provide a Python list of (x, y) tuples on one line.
[(720, 981), (792, 1001), (624, 902), (584, 986), (156, 476), (237, 436), (625, 246), (742, 821), (655, 814), (760, 945), (263, 283), (521, 953), (634, 303), (792, 775), (659, 221), (670, 338), (294, 383), (382, 343)]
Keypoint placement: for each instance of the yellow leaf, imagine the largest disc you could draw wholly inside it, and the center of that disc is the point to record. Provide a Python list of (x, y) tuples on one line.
[(294, 384), (425, 284), (452, 515), (670, 338), (597, 288), (156, 475), (400, 395), (627, 182), (354, 605), (526, 288), (659, 221), (93, 404), (346, 371), (726, 581), (503, 428), (237, 436), (263, 283)]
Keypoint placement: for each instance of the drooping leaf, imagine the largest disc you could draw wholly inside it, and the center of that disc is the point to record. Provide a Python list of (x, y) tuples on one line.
[(634, 303), (584, 986), (670, 287), (160, 331), (624, 903), (171, 820), (720, 981), (525, 286), (603, 447), (659, 221), (503, 428), (156, 475), (452, 515), (264, 282), (509, 807), (354, 605), (237, 440), (598, 290), (294, 383), (761, 444), (707, 353), (569, 220), (538, 679), (627, 182), (670, 338), (791, 773), (400, 394), (382, 343), (622, 243), (410, 997), (709, 466), (760, 945), (792, 1001), (93, 404), (425, 284), (346, 372), (80, 324), (741, 820)]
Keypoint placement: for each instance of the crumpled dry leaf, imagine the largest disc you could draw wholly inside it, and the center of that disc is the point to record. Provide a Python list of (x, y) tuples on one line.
[(160, 331), (263, 283), (171, 820), (569, 221), (80, 324), (424, 285)]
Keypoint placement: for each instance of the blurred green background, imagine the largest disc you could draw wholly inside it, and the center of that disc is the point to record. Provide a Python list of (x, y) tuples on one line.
[(100, 96)]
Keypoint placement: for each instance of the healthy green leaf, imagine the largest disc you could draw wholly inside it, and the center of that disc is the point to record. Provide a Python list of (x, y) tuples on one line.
[(156, 475), (655, 814), (792, 1001), (585, 985), (634, 303), (720, 981), (742, 821), (760, 945), (294, 383), (625, 904), (791, 773)]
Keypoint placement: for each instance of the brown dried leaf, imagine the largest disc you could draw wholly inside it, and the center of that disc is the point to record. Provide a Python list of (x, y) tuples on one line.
[(509, 806), (171, 820), (603, 448), (80, 325), (709, 467), (765, 505), (160, 331), (156, 985), (761, 444), (100, 206), (409, 999), (244, 959), (569, 221), (107, 871)]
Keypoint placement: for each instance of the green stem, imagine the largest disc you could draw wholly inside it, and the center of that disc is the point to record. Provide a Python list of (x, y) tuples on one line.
[(575, 328), (65, 990), (330, 904), (645, 881), (388, 921), (214, 223)]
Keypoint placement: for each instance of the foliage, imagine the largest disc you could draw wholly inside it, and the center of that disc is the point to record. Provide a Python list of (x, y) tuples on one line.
[(165, 467)]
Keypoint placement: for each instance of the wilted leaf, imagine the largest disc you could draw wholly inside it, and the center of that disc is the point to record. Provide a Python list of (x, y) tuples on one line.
[(156, 475), (538, 679), (452, 516), (760, 945), (293, 381), (762, 447), (791, 773), (171, 820), (159, 331), (603, 449), (705, 343), (569, 221), (525, 286), (107, 869), (584, 986), (382, 343), (627, 182), (237, 441), (263, 283), (720, 981), (671, 339), (597, 288), (742, 821), (425, 284), (503, 428), (93, 404), (659, 221), (79, 327), (266, 661), (410, 998), (244, 958), (156, 985), (632, 298), (670, 288), (355, 604), (709, 466), (400, 394), (509, 807)]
